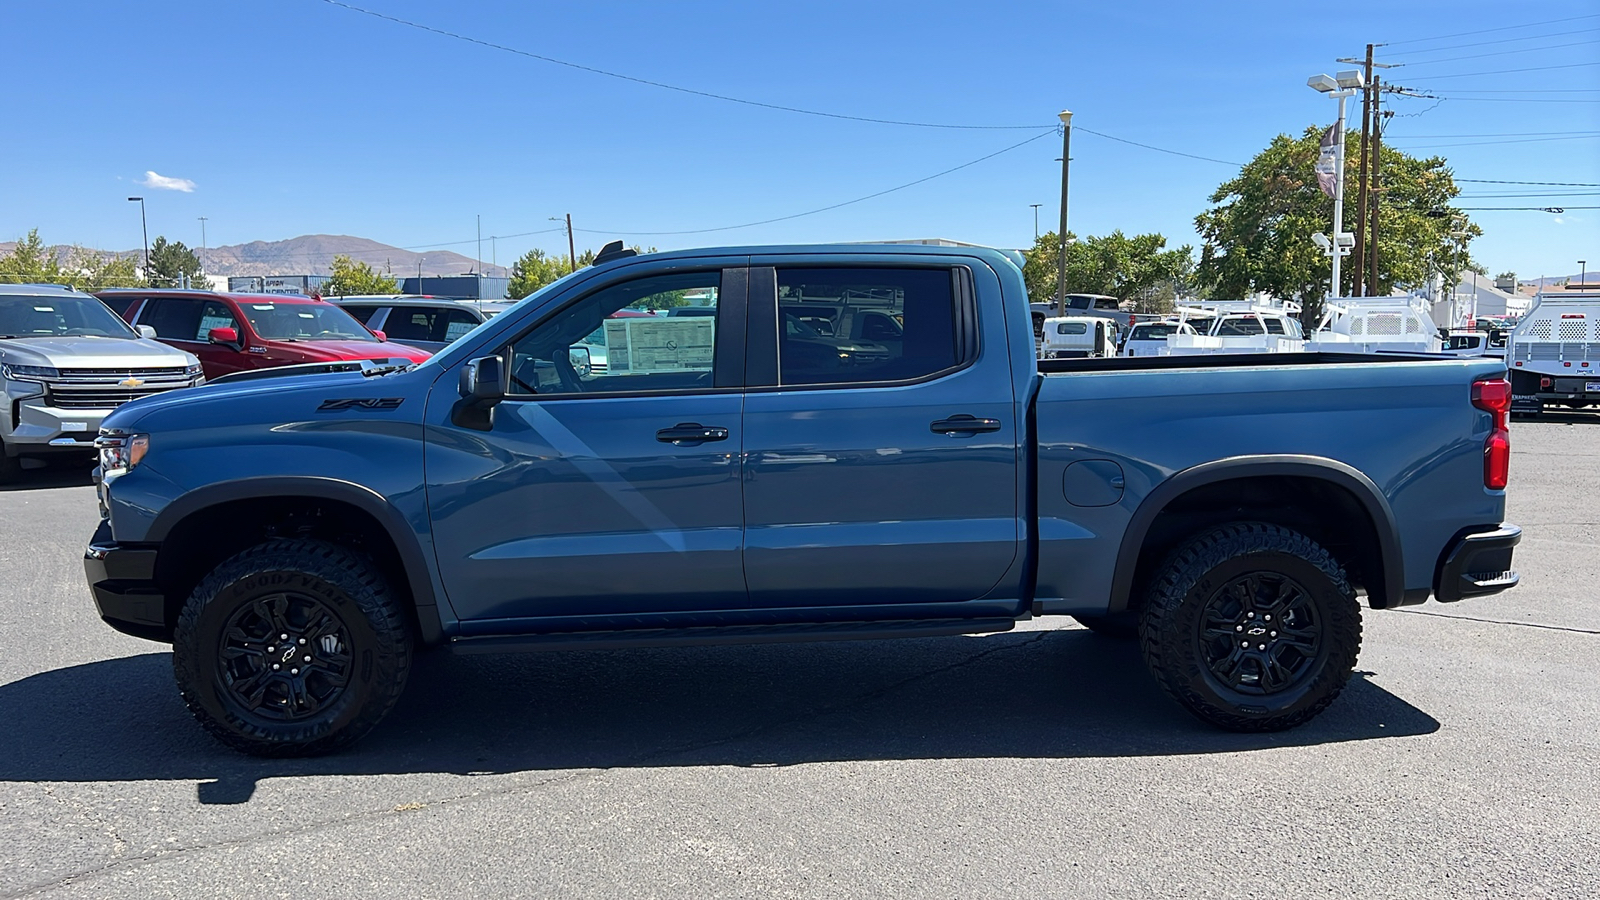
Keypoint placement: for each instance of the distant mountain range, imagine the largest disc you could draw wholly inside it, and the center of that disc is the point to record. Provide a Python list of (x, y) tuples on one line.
[(312, 254)]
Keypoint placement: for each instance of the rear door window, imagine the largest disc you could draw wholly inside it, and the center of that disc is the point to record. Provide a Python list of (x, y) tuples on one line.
[(173, 318), (363, 314), (919, 304), (214, 315)]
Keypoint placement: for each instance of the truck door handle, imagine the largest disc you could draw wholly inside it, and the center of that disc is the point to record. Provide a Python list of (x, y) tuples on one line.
[(691, 433), (964, 424)]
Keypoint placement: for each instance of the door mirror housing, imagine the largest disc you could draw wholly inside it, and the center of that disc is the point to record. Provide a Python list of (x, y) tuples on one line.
[(145, 331), (223, 335), (581, 363), (485, 382), (379, 335)]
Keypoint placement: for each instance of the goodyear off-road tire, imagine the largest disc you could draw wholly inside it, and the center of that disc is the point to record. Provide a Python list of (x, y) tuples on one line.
[(1124, 626), (291, 648), (1251, 627)]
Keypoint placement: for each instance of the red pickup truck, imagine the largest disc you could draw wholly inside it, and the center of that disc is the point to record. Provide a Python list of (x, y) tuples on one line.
[(235, 332)]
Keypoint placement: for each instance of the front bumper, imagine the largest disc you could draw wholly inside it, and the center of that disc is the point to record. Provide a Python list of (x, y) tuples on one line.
[(122, 580), (1477, 564), (38, 428)]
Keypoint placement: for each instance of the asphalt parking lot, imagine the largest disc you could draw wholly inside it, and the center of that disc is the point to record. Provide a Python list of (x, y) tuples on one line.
[(1042, 762)]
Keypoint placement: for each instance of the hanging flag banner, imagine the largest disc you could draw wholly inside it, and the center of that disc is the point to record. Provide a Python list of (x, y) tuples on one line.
[(1328, 159)]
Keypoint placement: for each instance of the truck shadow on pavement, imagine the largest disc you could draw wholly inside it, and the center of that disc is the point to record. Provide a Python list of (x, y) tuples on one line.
[(53, 475), (1041, 694)]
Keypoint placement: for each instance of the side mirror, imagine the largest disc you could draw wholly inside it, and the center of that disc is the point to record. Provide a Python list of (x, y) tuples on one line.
[(485, 381), (581, 362), (379, 335), (223, 335), (145, 331)]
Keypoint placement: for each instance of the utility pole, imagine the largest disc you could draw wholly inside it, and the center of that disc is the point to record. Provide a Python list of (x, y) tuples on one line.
[(1361, 191), (1036, 219), (494, 252), (145, 225), (480, 245), (1376, 190), (1061, 262), (572, 249), (203, 267), (1368, 121)]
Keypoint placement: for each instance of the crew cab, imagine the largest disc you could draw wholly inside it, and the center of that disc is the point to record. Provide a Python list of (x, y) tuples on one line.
[(298, 536), (241, 332)]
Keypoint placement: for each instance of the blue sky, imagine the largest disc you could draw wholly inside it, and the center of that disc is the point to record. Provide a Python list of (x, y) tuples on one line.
[(297, 116)]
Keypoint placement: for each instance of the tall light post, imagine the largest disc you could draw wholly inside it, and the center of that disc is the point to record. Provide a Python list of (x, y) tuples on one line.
[(1341, 88), (145, 226), (1583, 275), (203, 269), (1035, 219), (1061, 263)]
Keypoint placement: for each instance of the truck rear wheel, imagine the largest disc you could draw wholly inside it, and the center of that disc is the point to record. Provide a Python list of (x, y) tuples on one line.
[(291, 648), (1251, 627)]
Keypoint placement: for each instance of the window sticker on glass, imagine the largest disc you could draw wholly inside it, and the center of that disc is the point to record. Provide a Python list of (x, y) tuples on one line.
[(209, 322), (647, 346), (264, 307), (50, 309)]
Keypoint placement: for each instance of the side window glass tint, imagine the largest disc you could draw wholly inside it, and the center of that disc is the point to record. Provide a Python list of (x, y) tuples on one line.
[(409, 324), (363, 314), (621, 338), (1274, 326), (214, 315), (173, 318), (456, 323), (887, 325)]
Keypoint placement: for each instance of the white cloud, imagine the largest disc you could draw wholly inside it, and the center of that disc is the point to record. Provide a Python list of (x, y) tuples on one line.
[(165, 183)]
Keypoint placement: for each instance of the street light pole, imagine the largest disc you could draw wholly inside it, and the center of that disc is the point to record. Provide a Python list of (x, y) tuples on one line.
[(144, 225), (1035, 219), (1583, 275), (1061, 262), (203, 246), (1341, 88)]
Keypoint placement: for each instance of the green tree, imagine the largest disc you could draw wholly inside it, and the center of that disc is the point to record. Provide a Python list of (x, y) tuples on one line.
[(92, 270), (171, 263), (350, 277), (533, 271), (1258, 231), (31, 262), (1128, 268)]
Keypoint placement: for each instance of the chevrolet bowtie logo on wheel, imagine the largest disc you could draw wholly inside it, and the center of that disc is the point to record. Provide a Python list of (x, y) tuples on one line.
[(131, 382)]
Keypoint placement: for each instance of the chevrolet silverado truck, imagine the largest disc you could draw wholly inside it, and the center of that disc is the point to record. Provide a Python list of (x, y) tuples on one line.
[(297, 537)]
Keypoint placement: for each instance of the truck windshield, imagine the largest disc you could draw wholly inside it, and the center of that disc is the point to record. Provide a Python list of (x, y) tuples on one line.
[(24, 317), (304, 322)]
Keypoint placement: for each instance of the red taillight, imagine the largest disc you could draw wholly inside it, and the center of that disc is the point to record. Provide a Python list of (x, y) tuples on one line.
[(1494, 397), (1545, 383)]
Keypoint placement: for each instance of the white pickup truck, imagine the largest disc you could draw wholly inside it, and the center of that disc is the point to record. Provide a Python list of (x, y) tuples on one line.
[(1554, 352)]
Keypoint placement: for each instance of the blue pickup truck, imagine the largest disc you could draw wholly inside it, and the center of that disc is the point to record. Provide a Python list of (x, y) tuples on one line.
[(858, 444)]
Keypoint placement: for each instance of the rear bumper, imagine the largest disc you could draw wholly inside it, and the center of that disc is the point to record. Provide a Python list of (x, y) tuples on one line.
[(1477, 564), (122, 581)]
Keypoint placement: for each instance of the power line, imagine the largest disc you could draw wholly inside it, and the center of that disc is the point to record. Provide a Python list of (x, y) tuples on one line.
[(1476, 74), (1111, 137), (1529, 90), (1558, 210), (823, 209), (1512, 40), (1493, 134), (1429, 62), (1544, 183), (1537, 140), (1440, 37), (1513, 100), (661, 84)]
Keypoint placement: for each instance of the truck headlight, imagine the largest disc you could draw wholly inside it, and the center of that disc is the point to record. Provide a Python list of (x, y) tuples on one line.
[(120, 452), (192, 371), (32, 373)]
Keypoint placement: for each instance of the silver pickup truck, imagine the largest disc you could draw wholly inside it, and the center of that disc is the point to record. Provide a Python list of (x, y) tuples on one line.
[(66, 361)]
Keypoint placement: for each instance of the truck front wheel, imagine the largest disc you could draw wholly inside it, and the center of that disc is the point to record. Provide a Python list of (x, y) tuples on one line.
[(1251, 627), (291, 648)]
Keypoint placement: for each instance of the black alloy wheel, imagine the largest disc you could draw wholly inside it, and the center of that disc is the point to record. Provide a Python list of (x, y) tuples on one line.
[(285, 657), (292, 648), (1251, 627)]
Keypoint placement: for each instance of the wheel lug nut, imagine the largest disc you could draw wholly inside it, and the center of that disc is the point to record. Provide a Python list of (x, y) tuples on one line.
[(1258, 647), (1244, 644), (294, 671), (1269, 619), (283, 637), (308, 659), (1250, 615), (302, 640), (1269, 634), (276, 667), (271, 649), (1235, 628)]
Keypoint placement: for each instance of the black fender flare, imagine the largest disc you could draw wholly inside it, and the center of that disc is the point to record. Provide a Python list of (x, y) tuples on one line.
[(359, 496), (1303, 466)]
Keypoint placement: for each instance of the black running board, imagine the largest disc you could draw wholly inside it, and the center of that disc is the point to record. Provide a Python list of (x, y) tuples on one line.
[(728, 634)]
